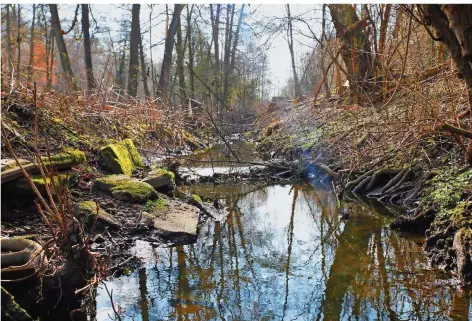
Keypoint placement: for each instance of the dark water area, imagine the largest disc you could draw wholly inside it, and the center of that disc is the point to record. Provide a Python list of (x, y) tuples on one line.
[(283, 253)]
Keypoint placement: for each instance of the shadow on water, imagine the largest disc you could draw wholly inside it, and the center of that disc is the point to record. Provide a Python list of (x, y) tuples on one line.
[(283, 253)]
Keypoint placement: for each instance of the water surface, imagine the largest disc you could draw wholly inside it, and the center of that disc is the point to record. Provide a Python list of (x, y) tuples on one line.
[(282, 253)]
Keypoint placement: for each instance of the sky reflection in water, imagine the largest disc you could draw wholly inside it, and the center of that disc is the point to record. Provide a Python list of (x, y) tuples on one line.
[(283, 254)]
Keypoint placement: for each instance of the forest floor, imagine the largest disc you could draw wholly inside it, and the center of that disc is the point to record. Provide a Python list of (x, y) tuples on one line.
[(395, 152)]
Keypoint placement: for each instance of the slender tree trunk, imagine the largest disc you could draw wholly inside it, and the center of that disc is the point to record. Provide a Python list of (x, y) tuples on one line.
[(180, 65), (292, 55), (18, 42), (144, 71), (9, 38), (153, 79), (190, 51), (91, 84), (30, 64), (228, 52), (133, 52), (120, 71), (50, 61), (387, 8), (61, 46), (323, 41), (169, 47), (215, 18)]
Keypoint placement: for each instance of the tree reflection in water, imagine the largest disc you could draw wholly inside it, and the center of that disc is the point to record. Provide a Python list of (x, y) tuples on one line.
[(283, 254)]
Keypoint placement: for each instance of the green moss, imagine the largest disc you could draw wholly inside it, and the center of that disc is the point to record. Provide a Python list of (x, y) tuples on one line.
[(88, 211), (134, 191), (122, 157), (11, 310), (164, 172), (158, 205), (117, 159), (106, 183), (133, 152), (444, 191), (69, 157), (195, 200)]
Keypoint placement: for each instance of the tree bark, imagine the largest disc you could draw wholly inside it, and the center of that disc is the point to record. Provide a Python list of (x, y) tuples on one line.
[(133, 51), (169, 47), (453, 26), (18, 42), (356, 52), (190, 51), (144, 71), (91, 84), (180, 65), (9, 37), (61, 46), (215, 18), (292, 55), (383, 29), (227, 53), (30, 64)]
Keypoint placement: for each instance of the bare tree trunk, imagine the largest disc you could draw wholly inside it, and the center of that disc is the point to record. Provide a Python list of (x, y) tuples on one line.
[(144, 71), (190, 51), (453, 26), (9, 37), (120, 71), (387, 8), (180, 65), (356, 52), (61, 46), (30, 64), (150, 54), (231, 52), (18, 42), (169, 47), (292, 55), (215, 18), (91, 84), (133, 52), (323, 41), (227, 53)]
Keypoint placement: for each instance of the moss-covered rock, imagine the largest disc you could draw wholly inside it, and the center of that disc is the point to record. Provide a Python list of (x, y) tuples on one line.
[(21, 186), (11, 311), (126, 189), (106, 183), (121, 157), (153, 206), (65, 159), (134, 191), (195, 200), (161, 179), (89, 212)]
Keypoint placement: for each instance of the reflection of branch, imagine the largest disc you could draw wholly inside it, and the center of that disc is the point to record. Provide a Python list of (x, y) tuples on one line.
[(289, 250)]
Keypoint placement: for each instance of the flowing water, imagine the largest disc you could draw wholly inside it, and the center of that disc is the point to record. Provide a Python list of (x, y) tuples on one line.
[(283, 253)]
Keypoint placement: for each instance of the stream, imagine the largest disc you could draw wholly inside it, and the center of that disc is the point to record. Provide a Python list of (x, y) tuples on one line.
[(283, 253)]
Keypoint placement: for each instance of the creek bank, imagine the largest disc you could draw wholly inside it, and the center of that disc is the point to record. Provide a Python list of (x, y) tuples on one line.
[(114, 212), (430, 199)]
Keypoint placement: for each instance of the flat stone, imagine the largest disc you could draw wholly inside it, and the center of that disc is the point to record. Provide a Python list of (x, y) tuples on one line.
[(162, 180), (88, 212), (11, 171), (179, 222)]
